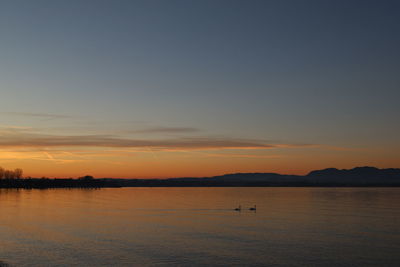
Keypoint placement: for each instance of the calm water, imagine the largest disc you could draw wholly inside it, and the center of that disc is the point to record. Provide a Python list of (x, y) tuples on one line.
[(197, 227)]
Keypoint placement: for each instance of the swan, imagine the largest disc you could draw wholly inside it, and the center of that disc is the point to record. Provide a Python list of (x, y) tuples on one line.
[(238, 208)]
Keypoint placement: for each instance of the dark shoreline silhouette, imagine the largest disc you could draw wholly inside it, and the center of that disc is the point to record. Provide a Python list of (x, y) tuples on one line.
[(356, 177)]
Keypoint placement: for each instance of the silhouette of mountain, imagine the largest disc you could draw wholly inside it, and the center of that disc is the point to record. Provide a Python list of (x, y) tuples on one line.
[(359, 176)]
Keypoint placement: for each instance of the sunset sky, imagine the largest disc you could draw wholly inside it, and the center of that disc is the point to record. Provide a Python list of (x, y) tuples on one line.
[(198, 88)]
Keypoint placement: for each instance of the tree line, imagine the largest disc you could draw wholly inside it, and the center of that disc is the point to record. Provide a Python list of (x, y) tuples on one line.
[(13, 179), (10, 174)]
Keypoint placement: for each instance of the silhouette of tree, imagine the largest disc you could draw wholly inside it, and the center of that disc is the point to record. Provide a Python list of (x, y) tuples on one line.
[(9, 174), (86, 178), (18, 173)]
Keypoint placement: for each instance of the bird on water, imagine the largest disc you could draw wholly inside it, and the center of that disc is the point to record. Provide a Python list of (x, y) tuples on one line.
[(253, 208), (238, 208)]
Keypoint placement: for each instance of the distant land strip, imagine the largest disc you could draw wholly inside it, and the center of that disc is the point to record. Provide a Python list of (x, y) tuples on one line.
[(331, 177)]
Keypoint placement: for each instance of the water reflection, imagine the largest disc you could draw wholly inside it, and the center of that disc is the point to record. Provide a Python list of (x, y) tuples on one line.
[(198, 226)]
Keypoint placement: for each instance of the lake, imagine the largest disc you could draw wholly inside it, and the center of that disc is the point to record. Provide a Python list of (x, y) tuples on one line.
[(198, 227)]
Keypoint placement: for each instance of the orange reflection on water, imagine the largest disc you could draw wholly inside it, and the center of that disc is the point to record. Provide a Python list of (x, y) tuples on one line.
[(180, 226)]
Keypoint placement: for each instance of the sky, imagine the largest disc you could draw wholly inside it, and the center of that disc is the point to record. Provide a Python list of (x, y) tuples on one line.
[(198, 88)]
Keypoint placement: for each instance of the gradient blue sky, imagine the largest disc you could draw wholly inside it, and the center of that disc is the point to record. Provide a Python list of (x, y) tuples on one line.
[(198, 87)]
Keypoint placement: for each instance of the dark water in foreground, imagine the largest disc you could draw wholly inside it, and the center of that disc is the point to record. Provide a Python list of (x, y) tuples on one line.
[(197, 227)]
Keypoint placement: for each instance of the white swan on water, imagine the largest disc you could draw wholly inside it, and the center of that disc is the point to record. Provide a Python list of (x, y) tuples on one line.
[(253, 208)]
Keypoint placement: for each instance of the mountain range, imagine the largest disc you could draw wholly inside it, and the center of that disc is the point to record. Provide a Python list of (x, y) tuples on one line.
[(359, 176)]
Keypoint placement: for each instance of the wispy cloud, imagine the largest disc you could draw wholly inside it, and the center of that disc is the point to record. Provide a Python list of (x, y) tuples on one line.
[(167, 130), (37, 115), (24, 138), (39, 140), (21, 138), (235, 155), (62, 155), (10, 127), (10, 155)]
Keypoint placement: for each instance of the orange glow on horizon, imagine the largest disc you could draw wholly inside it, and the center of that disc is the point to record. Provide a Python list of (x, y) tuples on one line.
[(164, 164)]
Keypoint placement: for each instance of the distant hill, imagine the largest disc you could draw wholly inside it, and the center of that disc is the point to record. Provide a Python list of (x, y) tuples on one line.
[(359, 176)]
